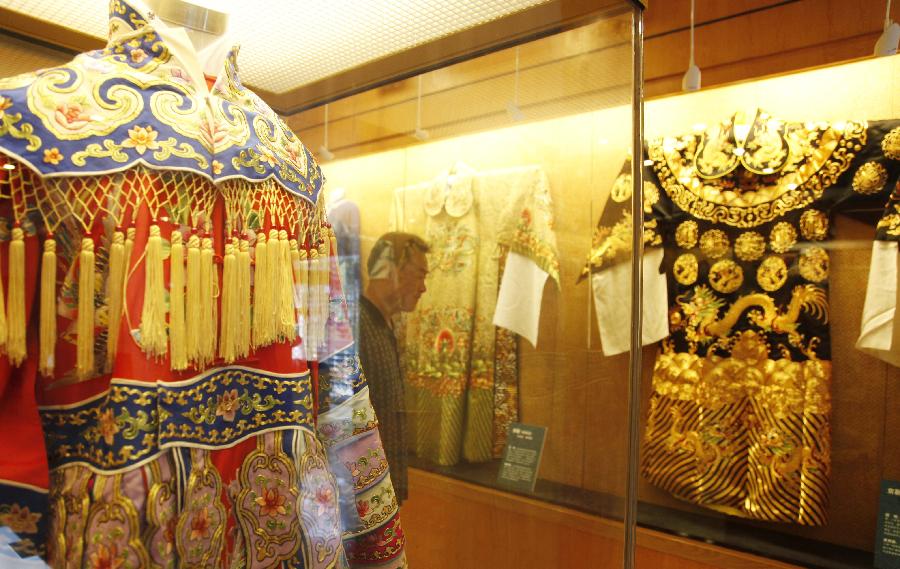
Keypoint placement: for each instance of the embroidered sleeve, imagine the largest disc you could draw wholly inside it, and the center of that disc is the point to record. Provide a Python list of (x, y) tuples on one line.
[(611, 241), (530, 229)]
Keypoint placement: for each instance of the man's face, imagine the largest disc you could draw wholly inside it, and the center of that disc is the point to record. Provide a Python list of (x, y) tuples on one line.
[(411, 281)]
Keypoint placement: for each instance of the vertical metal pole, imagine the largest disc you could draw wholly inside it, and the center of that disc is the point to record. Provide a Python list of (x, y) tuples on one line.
[(637, 209)]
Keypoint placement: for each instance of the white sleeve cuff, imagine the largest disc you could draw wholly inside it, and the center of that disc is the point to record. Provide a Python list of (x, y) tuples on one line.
[(519, 301), (879, 332), (612, 301)]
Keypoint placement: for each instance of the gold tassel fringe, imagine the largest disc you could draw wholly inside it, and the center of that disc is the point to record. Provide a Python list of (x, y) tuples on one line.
[(177, 332), (114, 295), (84, 359), (16, 348), (47, 357), (153, 315), (230, 312), (208, 323), (302, 278), (192, 302), (273, 252), (262, 295), (287, 318), (244, 323)]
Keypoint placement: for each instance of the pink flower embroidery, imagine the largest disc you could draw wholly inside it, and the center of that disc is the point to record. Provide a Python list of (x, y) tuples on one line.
[(71, 116), (324, 497), (212, 136), (227, 405), (266, 155), (362, 508), (271, 503)]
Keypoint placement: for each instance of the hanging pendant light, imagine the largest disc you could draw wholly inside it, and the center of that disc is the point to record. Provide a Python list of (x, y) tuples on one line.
[(691, 79), (890, 38)]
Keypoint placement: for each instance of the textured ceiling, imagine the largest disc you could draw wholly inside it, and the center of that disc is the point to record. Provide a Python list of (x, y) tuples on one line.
[(286, 44)]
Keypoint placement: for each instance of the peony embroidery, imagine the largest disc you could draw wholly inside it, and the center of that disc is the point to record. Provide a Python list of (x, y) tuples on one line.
[(362, 508), (141, 138), (217, 167), (228, 404), (266, 155), (71, 116), (271, 503), (53, 156)]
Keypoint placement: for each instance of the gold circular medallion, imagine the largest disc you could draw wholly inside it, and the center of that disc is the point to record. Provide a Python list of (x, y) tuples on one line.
[(890, 144), (782, 237), (749, 246), (685, 269), (714, 243), (686, 234), (814, 225), (772, 273), (814, 264), (870, 178), (726, 276)]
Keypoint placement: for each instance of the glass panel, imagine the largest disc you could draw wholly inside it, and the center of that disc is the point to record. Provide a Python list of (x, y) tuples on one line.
[(492, 174), (762, 415)]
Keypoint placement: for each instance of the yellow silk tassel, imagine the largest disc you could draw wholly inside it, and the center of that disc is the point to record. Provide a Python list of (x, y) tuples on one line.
[(192, 301), (114, 293), (84, 346), (302, 268), (230, 313), (47, 359), (243, 267), (129, 247), (153, 315), (16, 349), (208, 283), (294, 252), (262, 295), (315, 299), (287, 318), (177, 330), (273, 252), (334, 252)]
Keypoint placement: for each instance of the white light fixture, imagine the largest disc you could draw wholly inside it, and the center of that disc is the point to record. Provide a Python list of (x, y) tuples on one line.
[(512, 107), (890, 38), (691, 79), (420, 133), (324, 153)]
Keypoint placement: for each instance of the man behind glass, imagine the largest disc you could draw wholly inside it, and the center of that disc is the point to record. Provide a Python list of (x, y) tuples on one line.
[(397, 268)]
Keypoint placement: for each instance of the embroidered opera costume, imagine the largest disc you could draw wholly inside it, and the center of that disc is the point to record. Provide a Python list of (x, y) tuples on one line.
[(740, 215), (172, 302)]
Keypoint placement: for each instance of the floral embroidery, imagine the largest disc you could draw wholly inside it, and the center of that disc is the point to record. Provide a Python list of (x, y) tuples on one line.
[(108, 426), (324, 498), (228, 405), (271, 503), (5, 103), (53, 156), (106, 557), (362, 508), (72, 116), (20, 519), (141, 139), (200, 525), (217, 167), (138, 55)]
